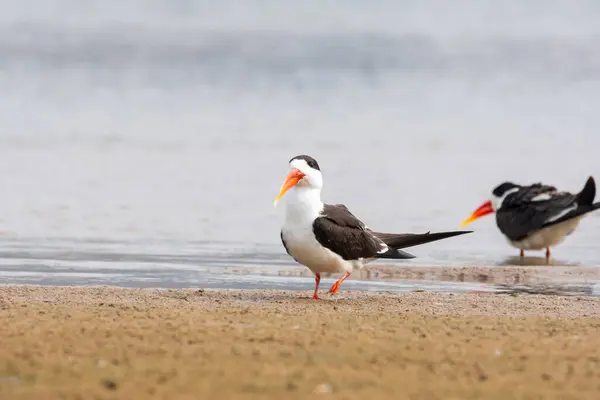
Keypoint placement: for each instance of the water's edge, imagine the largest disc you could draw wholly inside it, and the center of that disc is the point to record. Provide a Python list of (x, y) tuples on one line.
[(225, 266)]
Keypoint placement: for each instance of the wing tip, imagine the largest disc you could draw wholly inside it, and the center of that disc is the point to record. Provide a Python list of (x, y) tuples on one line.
[(448, 233), (588, 193), (455, 233)]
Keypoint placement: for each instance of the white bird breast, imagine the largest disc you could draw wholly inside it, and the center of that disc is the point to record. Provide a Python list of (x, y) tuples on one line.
[(547, 237), (305, 248), (303, 206)]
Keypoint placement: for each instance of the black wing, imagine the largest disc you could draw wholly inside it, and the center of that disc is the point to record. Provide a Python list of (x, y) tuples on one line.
[(404, 240), (538, 206), (341, 232)]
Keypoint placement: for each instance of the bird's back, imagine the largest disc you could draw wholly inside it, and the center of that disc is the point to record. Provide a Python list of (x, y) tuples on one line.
[(539, 206)]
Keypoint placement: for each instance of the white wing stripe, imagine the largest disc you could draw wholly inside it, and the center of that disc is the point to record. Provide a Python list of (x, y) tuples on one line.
[(562, 214), (542, 197)]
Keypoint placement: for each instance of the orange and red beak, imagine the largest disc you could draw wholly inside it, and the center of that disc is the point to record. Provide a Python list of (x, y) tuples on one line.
[(290, 181), (483, 210)]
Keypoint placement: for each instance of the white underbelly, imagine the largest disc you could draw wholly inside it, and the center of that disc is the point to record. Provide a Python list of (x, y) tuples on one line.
[(547, 237), (303, 246)]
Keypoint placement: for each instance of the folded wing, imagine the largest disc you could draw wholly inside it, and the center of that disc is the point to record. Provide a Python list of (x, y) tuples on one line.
[(340, 231)]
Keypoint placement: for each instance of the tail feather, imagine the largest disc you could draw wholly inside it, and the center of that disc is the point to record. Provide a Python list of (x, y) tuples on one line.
[(398, 241), (585, 203), (588, 193), (396, 254)]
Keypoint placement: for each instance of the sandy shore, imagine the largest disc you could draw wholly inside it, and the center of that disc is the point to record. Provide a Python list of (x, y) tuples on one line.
[(108, 343)]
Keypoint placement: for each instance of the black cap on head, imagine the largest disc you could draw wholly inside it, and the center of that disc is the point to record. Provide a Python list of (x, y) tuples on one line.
[(503, 188), (309, 160)]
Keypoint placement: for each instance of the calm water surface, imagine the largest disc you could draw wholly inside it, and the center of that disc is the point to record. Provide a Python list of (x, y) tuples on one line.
[(142, 143)]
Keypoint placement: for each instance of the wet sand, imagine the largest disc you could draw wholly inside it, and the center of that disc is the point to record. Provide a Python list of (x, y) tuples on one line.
[(109, 343), (506, 275)]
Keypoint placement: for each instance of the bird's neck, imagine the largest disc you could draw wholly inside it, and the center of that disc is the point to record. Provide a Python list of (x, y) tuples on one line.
[(303, 205)]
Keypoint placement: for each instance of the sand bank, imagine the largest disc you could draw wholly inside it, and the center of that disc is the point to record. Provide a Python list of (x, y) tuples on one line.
[(108, 343)]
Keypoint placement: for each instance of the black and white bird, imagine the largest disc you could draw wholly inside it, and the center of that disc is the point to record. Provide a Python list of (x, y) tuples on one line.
[(329, 238), (537, 216)]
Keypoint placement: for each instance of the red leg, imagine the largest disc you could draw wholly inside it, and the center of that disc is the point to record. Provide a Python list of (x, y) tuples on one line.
[(547, 253), (315, 295), (317, 281), (522, 253), (336, 285)]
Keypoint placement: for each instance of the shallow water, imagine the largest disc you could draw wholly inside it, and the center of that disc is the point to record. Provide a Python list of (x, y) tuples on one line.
[(143, 144)]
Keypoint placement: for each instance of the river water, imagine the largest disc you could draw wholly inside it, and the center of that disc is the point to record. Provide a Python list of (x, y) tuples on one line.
[(142, 142)]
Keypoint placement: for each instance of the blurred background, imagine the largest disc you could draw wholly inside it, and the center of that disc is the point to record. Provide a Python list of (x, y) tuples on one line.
[(143, 141)]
